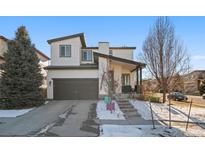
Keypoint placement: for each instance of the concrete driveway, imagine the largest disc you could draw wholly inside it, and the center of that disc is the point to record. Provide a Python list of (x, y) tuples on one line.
[(57, 118)]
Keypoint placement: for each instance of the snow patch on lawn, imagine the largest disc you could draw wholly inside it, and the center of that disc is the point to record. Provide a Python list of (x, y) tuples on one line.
[(178, 113), (161, 112), (102, 113), (143, 109), (14, 113), (139, 131)]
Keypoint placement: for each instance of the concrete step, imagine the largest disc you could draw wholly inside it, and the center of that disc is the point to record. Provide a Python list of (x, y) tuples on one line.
[(125, 106), (123, 102), (128, 110), (121, 95), (130, 114)]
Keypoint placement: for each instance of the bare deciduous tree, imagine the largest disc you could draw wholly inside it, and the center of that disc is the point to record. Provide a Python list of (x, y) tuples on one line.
[(165, 55)]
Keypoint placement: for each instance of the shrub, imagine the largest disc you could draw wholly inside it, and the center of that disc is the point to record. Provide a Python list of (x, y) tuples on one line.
[(202, 88), (140, 97), (43, 92), (148, 98), (153, 99), (8, 104)]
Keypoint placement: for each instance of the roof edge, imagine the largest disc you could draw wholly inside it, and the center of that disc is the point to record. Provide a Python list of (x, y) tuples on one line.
[(120, 59), (42, 54), (3, 38), (111, 48), (81, 35)]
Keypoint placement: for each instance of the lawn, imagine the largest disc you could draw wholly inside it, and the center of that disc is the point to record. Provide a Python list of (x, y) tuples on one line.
[(179, 114), (116, 129)]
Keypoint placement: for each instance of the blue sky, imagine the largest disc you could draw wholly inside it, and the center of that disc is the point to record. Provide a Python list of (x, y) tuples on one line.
[(119, 31)]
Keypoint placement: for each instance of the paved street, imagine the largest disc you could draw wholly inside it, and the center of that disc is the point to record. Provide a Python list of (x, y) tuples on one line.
[(57, 118)]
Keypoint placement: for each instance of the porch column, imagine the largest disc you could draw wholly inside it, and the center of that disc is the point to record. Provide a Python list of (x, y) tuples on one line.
[(140, 80), (137, 79)]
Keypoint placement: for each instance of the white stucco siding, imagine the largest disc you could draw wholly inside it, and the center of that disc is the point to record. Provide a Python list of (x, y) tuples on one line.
[(52, 74), (102, 69), (133, 79), (74, 60), (117, 77), (123, 53)]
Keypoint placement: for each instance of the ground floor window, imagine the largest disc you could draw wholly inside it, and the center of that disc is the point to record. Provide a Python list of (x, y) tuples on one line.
[(125, 79)]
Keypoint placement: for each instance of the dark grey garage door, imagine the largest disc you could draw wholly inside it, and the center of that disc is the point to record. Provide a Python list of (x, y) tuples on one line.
[(75, 89)]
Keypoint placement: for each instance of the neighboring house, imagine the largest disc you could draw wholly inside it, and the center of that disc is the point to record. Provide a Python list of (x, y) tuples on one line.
[(76, 70), (188, 84), (1, 60), (192, 82), (43, 58)]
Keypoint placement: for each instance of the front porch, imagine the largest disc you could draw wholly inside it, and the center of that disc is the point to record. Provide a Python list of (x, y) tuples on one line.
[(129, 77), (125, 74)]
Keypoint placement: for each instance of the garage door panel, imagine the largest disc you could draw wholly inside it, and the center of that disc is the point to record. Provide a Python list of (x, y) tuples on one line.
[(74, 89)]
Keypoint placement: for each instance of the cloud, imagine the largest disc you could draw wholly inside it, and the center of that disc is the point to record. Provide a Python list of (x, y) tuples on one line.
[(198, 57)]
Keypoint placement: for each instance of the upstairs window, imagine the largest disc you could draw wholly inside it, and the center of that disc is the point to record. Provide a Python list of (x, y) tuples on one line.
[(87, 56), (65, 50), (110, 52)]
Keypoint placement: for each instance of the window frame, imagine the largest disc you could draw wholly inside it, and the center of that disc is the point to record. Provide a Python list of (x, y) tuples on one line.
[(110, 52), (125, 77), (83, 51), (65, 45)]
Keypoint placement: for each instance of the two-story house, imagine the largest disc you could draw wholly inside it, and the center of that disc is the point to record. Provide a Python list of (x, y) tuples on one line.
[(42, 57), (76, 71)]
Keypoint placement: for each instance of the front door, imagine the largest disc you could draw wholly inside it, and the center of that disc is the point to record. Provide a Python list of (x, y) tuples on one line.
[(126, 88)]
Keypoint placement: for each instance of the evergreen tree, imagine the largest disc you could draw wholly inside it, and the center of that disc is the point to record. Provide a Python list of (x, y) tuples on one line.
[(21, 78), (202, 88)]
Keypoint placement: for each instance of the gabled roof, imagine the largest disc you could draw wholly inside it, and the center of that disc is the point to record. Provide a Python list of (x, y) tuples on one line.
[(40, 52), (81, 35), (3, 38), (119, 59), (112, 48)]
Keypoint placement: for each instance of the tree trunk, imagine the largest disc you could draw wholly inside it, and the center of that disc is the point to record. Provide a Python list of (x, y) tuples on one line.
[(164, 96), (164, 88), (164, 91)]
